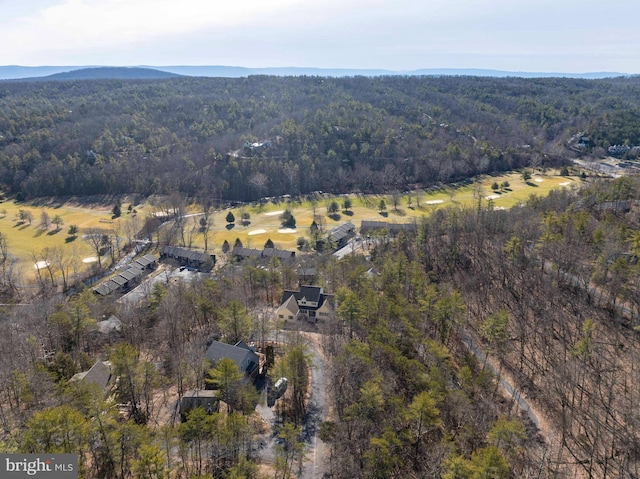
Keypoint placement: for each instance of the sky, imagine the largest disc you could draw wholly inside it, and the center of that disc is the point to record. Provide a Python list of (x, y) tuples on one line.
[(572, 36)]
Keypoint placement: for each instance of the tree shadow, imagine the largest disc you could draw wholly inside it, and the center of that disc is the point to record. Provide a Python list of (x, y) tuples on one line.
[(400, 212), (70, 239), (245, 223), (39, 232), (55, 231), (384, 213), (530, 183), (335, 216), (347, 212), (230, 226)]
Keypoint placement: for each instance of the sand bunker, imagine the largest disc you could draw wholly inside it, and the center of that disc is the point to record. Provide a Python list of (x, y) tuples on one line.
[(286, 230), (499, 208), (538, 180), (90, 259), (492, 197), (256, 232), (274, 213), (564, 183), (434, 202), (40, 264)]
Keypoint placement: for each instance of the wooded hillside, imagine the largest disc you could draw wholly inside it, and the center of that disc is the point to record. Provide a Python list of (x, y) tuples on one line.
[(335, 135), (549, 291)]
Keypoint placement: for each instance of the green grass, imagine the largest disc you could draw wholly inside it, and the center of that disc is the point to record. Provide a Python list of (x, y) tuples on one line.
[(25, 239), (367, 209)]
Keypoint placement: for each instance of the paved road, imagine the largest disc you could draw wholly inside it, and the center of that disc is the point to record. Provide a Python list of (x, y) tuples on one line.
[(316, 451), (511, 390), (352, 246)]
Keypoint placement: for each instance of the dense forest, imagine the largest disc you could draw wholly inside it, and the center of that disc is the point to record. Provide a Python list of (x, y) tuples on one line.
[(548, 290), (206, 137), (545, 295)]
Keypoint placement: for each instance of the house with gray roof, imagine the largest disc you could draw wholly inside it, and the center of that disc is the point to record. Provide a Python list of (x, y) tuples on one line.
[(99, 374), (246, 359), (340, 235), (188, 257), (310, 303), (128, 277)]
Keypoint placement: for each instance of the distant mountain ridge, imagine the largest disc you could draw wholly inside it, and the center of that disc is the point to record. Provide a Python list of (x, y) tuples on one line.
[(16, 72), (96, 73)]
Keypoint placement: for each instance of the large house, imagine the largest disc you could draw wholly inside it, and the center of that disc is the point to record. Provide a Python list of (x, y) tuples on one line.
[(246, 359), (309, 303)]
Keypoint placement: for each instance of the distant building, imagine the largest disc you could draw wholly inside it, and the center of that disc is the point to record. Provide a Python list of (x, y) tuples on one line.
[(241, 253), (306, 275), (340, 235), (188, 257), (618, 150), (128, 277)]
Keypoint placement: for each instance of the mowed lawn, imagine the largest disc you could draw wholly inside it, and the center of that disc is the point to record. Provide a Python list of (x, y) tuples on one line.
[(24, 240), (265, 220)]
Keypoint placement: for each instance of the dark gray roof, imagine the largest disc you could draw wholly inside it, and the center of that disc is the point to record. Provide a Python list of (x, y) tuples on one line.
[(186, 253), (342, 231), (278, 253), (120, 280), (240, 354), (311, 293), (133, 271), (146, 260), (99, 374), (102, 289), (246, 252)]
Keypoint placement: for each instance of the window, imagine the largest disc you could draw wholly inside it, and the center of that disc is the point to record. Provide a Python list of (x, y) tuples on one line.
[(281, 316)]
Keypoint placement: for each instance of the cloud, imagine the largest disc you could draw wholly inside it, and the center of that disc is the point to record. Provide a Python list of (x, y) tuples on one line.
[(404, 34), (84, 25)]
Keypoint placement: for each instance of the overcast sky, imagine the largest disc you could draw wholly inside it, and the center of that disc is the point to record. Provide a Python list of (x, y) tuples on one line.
[(570, 36)]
